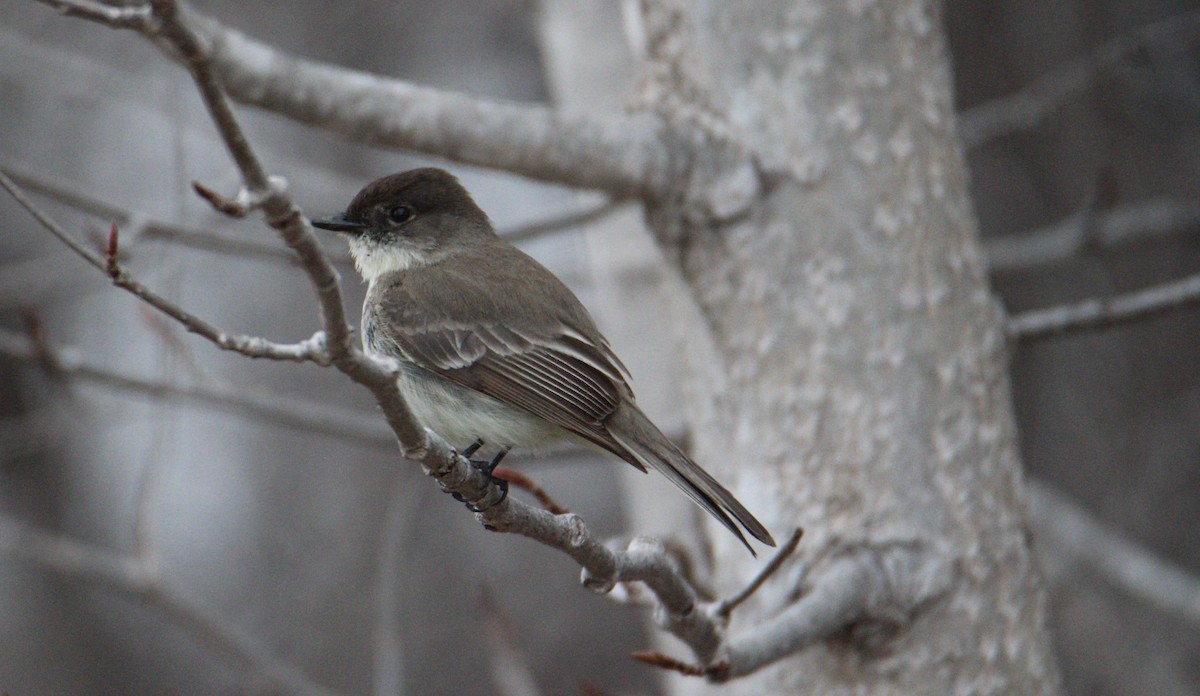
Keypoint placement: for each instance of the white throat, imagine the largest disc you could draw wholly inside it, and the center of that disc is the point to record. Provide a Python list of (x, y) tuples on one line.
[(373, 260)]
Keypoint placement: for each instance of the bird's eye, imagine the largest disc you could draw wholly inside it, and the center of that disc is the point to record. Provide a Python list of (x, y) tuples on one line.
[(401, 213)]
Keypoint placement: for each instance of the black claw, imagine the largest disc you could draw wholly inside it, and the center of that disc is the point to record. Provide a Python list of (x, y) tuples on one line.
[(503, 486), (487, 468), (471, 448), (496, 461)]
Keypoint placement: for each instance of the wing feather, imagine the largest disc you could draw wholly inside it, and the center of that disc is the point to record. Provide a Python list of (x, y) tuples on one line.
[(553, 371)]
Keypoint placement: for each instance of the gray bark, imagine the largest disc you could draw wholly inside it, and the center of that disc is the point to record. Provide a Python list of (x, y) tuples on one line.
[(853, 371)]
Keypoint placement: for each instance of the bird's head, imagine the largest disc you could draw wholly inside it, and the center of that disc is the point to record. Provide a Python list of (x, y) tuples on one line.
[(407, 220)]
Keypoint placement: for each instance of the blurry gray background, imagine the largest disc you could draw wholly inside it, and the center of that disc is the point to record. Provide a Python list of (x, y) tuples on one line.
[(321, 549)]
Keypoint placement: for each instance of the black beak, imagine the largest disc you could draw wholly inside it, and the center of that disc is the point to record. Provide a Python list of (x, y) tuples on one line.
[(339, 223)]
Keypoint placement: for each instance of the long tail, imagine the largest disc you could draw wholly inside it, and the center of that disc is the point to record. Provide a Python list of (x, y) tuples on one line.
[(646, 447)]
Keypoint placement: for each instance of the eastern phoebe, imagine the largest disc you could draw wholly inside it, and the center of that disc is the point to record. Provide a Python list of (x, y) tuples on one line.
[(493, 346)]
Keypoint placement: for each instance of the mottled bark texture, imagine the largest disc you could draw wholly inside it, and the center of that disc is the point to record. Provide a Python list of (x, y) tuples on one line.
[(857, 374)]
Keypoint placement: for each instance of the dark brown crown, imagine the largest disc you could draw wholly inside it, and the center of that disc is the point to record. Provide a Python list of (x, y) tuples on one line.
[(428, 190)]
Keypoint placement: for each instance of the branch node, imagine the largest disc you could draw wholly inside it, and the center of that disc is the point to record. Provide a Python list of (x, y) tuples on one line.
[(233, 207), (579, 534), (596, 582), (318, 348), (276, 186)]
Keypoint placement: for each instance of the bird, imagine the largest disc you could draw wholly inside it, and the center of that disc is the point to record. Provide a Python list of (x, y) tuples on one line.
[(492, 346)]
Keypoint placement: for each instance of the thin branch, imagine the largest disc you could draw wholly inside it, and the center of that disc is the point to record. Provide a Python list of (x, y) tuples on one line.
[(1135, 222), (51, 226), (569, 221), (129, 17), (66, 194), (359, 428), (1067, 530), (312, 349), (726, 606), (137, 577), (195, 55), (1027, 107), (618, 153), (1102, 313), (138, 226), (356, 427), (661, 661), (524, 482)]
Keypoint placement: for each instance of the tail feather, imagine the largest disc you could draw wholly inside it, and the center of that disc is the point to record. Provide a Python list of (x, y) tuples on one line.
[(646, 447)]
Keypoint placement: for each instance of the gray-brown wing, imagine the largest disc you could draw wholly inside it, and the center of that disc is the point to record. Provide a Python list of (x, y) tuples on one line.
[(560, 376)]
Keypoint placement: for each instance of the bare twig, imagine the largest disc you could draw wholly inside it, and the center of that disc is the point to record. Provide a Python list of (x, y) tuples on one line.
[(51, 226), (1027, 107), (129, 17), (574, 219), (1102, 313), (66, 194), (226, 206), (657, 659), (520, 480), (356, 427), (1143, 221), (138, 226), (312, 349), (359, 428), (726, 606), (1068, 532)]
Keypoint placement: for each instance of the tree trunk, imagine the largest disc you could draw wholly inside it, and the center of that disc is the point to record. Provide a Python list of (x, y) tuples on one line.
[(854, 380)]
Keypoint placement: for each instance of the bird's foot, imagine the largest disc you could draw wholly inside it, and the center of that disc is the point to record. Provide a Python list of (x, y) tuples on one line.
[(485, 467)]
